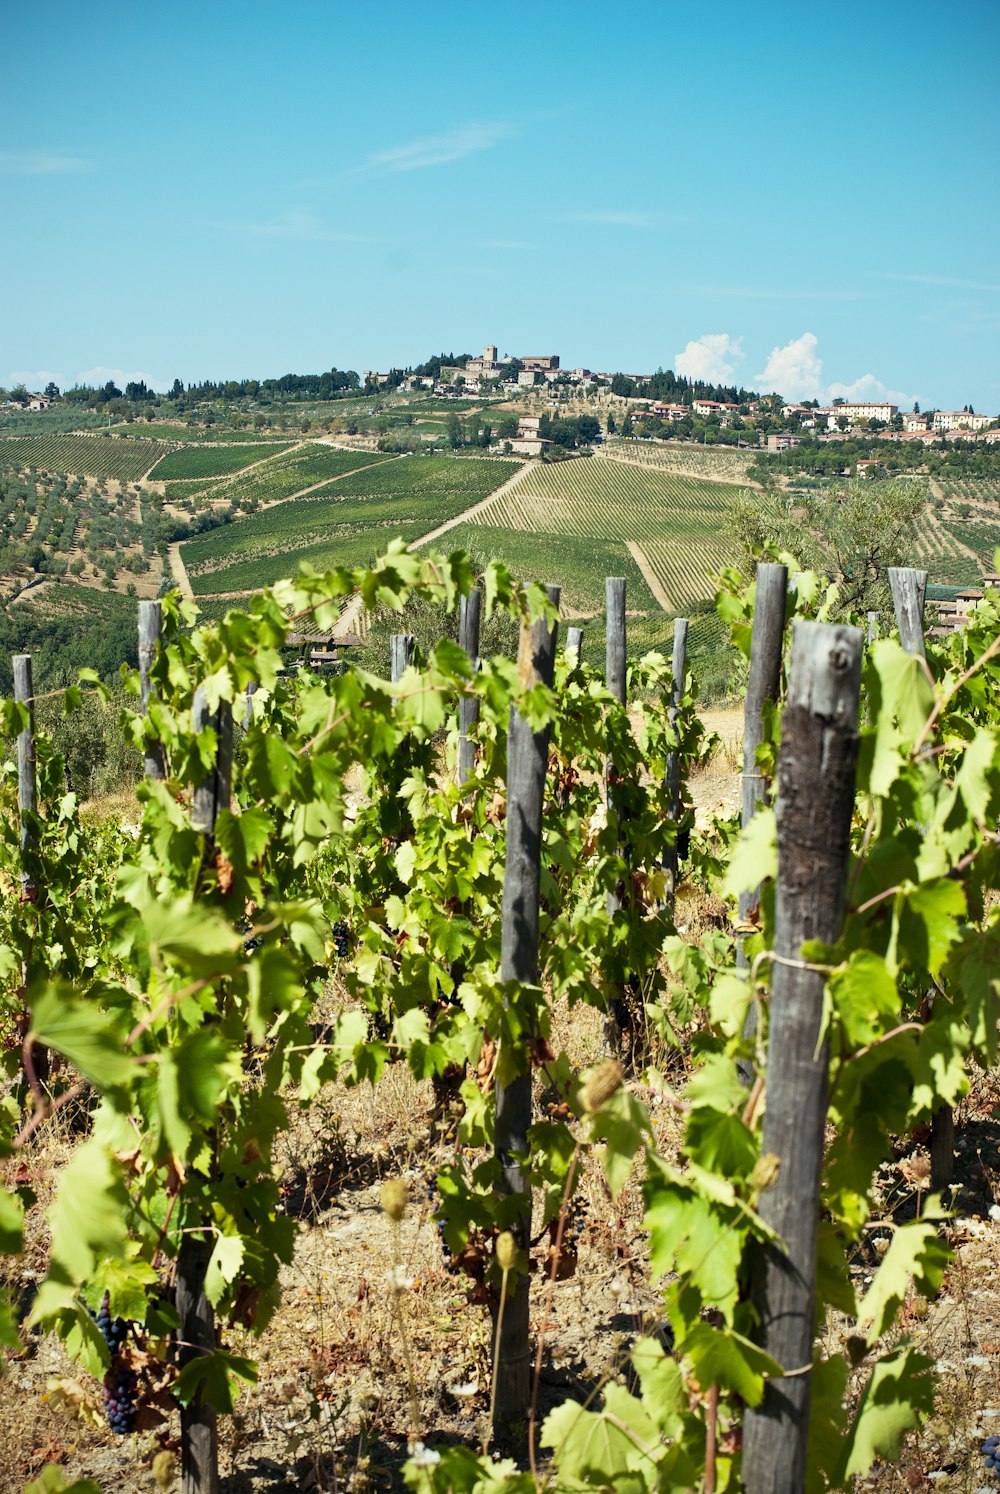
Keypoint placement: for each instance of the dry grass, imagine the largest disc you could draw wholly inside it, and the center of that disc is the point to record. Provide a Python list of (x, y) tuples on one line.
[(335, 1406)]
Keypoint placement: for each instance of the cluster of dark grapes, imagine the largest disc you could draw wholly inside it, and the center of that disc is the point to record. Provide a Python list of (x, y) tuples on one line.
[(576, 1217), (251, 941), (991, 1455), (120, 1385), (342, 939), (118, 1395)]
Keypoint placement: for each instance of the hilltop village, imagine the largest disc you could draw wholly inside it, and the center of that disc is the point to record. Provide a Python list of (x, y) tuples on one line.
[(749, 418)]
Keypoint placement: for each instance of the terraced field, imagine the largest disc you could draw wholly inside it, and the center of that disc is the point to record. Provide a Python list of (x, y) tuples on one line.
[(212, 461), (302, 467), (717, 463), (606, 512), (121, 457), (347, 521), (576, 563), (979, 491)]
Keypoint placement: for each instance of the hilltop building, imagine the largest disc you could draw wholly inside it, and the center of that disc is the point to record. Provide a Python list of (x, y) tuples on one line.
[(960, 420), (529, 441)]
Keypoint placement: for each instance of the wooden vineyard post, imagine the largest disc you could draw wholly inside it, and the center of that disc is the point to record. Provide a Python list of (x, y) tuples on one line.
[(248, 695), (672, 778), (816, 777), (615, 675), (615, 668), (197, 1334), (616, 651), (150, 625), (27, 780), (909, 593), (872, 627), (574, 646), (527, 761), (469, 614), (27, 807), (763, 688), (401, 654)]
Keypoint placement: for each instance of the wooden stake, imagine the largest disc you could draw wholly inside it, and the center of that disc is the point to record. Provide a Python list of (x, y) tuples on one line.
[(763, 688), (527, 761), (199, 1424), (672, 777), (816, 779), (469, 614), (616, 1021), (574, 646), (27, 779), (616, 651), (197, 1333), (872, 627), (214, 792), (909, 592), (150, 627), (401, 654)]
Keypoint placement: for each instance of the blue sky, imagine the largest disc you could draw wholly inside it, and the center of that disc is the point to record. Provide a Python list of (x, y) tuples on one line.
[(789, 196)]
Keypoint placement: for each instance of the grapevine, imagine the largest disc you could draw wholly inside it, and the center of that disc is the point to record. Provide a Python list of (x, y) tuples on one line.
[(182, 979)]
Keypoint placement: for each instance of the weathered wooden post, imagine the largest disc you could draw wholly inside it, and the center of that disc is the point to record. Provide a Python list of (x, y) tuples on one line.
[(27, 806), (872, 627), (527, 761), (197, 1334), (816, 778), (672, 777), (469, 614), (248, 695), (574, 646), (615, 676), (909, 594), (763, 687), (150, 626), (614, 590), (27, 778), (401, 654)]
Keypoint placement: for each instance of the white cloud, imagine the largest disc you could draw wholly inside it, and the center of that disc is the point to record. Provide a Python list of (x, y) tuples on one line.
[(39, 163), (796, 370), (436, 150), (869, 390), (99, 376), (33, 379), (712, 358), (297, 225)]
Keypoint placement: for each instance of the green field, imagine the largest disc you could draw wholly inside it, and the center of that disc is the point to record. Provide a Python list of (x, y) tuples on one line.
[(212, 461), (121, 457), (721, 463), (675, 523), (576, 563), (302, 467), (348, 521)]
